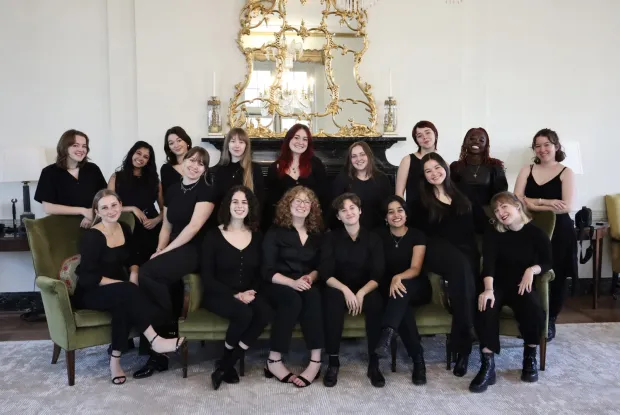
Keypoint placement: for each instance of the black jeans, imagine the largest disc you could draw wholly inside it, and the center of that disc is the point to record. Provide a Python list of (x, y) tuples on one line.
[(247, 321), (291, 306), (528, 312), (334, 309), (399, 312), (459, 267)]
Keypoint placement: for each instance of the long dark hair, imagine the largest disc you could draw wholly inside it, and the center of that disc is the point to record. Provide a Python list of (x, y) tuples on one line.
[(486, 158), (180, 132), (252, 220), (67, 139), (554, 139), (286, 157), (246, 159), (148, 172), (436, 209)]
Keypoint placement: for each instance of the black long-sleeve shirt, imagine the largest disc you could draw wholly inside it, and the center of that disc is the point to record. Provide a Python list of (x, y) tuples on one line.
[(98, 260), (283, 253), (352, 262), (506, 255), (455, 228), (58, 186), (226, 270), (230, 175), (315, 181)]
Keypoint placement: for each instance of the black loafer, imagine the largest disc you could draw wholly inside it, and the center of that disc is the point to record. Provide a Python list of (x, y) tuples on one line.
[(155, 363), (231, 376), (331, 376), (376, 377)]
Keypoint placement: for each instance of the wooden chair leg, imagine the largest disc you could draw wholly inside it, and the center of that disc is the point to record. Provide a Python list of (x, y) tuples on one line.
[(70, 357), (394, 346), (55, 354), (184, 358), (242, 364), (543, 352), (614, 282), (448, 353)]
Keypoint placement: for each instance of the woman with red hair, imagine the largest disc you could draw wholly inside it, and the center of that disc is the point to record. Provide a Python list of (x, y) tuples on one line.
[(295, 166)]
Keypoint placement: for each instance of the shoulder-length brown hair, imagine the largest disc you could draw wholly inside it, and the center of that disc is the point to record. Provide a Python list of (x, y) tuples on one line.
[(284, 218), (67, 139), (100, 195), (554, 139), (252, 219), (246, 159), (371, 168)]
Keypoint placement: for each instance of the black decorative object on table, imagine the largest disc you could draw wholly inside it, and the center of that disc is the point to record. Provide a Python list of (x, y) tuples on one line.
[(14, 211), (26, 214)]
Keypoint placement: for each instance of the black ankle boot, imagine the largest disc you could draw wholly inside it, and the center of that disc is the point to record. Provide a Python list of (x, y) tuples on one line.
[(226, 364), (385, 340), (157, 362), (376, 377), (331, 375), (530, 366), (230, 376), (418, 376), (486, 375), (551, 331), (460, 368)]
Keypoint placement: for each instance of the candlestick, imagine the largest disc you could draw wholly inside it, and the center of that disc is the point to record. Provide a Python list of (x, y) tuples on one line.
[(390, 94), (214, 86)]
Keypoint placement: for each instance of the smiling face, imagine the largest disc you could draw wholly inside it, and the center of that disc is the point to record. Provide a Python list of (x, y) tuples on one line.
[(239, 206), (349, 213), (545, 150), (475, 142), (425, 137), (140, 158), (508, 214), (434, 173), (236, 147), (299, 142), (177, 145), (301, 205), (193, 167), (109, 209), (78, 150), (396, 215), (359, 159)]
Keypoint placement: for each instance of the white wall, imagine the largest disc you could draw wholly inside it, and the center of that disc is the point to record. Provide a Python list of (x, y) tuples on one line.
[(123, 70)]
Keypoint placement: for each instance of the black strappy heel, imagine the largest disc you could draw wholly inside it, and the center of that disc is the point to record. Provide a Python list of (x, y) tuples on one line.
[(270, 375), (306, 381), (118, 380), (179, 344)]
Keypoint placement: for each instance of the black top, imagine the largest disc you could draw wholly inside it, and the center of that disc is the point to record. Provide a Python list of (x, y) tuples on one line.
[(283, 253), (181, 204), (315, 181), (455, 228), (352, 262), (415, 174), (58, 186), (135, 191), (506, 255), (98, 260), (372, 192), (398, 258), (479, 183), (169, 176), (226, 270), (550, 190), (230, 175)]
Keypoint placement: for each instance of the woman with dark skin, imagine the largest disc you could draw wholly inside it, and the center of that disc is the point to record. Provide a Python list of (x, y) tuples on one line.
[(478, 175)]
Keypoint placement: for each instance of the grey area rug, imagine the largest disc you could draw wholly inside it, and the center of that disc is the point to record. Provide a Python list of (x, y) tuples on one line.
[(582, 377)]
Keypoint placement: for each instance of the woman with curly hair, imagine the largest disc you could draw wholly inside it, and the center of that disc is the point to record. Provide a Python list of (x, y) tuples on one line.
[(230, 274), (478, 175), (290, 263)]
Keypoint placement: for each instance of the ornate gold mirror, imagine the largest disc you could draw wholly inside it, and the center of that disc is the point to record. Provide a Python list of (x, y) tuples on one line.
[(303, 59)]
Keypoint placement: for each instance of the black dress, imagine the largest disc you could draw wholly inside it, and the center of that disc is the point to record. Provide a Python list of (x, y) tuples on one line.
[(563, 241), (399, 313), (169, 176), (414, 175), (226, 271), (124, 300), (479, 183), (56, 185), (372, 192), (135, 191)]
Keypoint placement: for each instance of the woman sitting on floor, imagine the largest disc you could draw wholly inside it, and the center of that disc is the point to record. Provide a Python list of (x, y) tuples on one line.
[(513, 253), (108, 281)]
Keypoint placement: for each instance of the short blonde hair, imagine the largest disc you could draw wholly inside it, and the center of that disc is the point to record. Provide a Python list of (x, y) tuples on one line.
[(511, 199)]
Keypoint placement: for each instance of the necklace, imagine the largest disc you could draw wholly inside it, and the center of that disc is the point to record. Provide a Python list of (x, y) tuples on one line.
[(476, 172), (187, 189), (294, 169), (396, 242), (109, 234)]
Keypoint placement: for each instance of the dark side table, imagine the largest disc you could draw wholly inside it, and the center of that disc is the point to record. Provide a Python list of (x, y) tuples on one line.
[(600, 229), (10, 243)]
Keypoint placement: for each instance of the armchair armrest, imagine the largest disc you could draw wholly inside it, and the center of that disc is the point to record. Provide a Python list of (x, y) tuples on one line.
[(542, 288), (58, 311), (193, 294)]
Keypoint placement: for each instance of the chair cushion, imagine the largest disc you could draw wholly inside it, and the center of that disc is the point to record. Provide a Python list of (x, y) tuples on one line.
[(92, 318), (67, 272)]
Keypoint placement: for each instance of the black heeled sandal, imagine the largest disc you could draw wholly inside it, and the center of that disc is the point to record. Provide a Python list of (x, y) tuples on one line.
[(269, 375), (179, 343), (118, 380), (306, 381)]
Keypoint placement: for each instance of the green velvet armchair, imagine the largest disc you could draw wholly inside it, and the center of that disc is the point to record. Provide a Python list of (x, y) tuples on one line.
[(53, 239), (612, 202)]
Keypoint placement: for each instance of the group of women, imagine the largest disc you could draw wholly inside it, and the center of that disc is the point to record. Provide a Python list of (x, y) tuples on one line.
[(373, 259)]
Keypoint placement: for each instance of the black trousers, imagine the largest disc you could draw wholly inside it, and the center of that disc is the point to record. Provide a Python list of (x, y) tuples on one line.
[(459, 267), (334, 309), (129, 307), (399, 313), (291, 306), (247, 321), (528, 312), (158, 275)]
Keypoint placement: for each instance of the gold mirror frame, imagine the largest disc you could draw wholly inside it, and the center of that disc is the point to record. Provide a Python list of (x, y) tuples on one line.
[(237, 112)]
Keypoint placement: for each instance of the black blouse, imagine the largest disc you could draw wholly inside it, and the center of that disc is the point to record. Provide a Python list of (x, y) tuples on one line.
[(181, 203), (98, 260), (414, 175), (226, 270), (352, 262), (315, 181), (230, 175), (283, 253), (398, 251), (58, 186), (136, 191), (506, 255), (169, 176), (372, 192), (455, 228)]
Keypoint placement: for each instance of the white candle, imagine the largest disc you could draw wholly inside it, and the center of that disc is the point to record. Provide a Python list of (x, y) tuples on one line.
[(390, 94), (214, 87)]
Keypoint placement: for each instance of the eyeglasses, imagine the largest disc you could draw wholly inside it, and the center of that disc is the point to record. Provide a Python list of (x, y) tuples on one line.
[(302, 202)]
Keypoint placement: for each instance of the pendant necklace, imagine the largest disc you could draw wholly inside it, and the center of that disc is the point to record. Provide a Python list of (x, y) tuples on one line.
[(476, 172), (396, 242), (187, 189)]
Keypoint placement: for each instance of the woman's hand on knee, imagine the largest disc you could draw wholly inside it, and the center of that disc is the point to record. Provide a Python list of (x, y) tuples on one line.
[(484, 298)]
